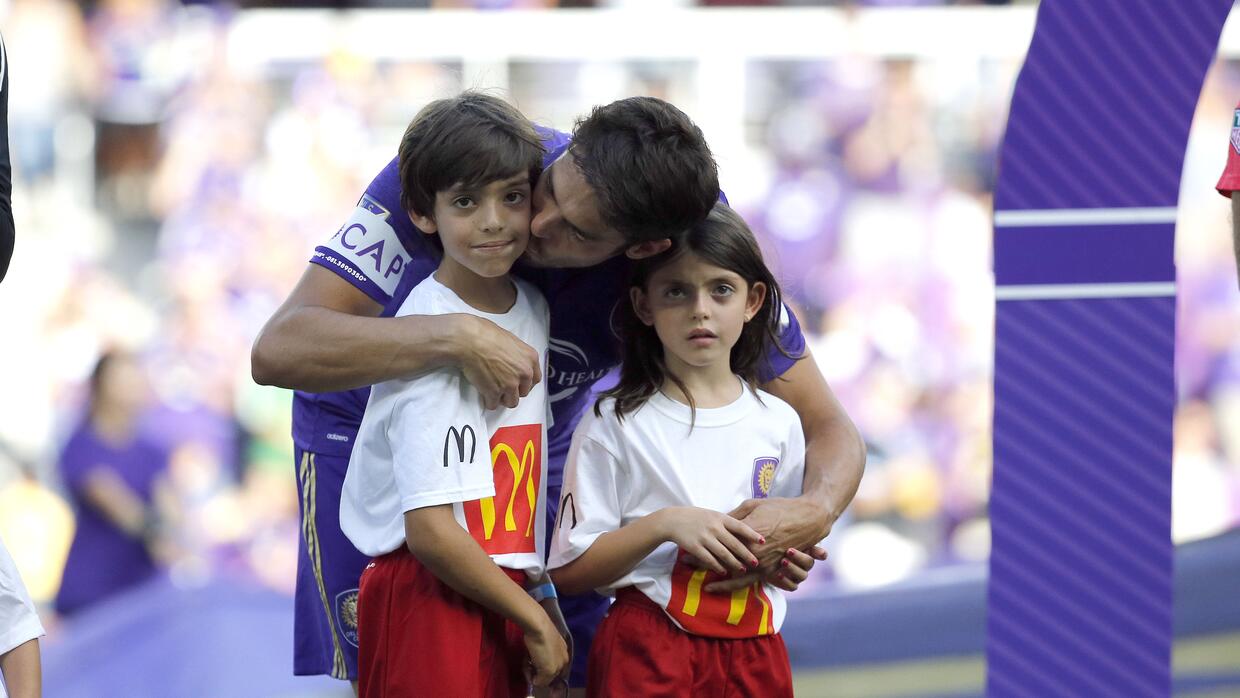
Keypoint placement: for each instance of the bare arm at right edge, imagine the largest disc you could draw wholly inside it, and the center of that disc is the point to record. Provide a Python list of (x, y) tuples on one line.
[(327, 336)]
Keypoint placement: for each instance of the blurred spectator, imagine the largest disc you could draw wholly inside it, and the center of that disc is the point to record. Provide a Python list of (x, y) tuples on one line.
[(111, 471)]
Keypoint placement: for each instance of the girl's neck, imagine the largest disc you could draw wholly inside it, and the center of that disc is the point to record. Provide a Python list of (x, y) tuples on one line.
[(713, 385), (487, 294)]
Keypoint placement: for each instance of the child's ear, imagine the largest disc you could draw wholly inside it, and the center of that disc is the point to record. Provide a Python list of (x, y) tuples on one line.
[(757, 295), (641, 306), (424, 223)]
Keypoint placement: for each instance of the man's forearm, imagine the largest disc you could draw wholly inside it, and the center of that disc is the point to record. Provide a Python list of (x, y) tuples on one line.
[(834, 450), (834, 464), (22, 674), (319, 350)]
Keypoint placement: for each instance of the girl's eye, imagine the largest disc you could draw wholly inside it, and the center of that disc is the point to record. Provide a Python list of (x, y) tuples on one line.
[(674, 292), (724, 290), (515, 197), (576, 234), (462, 202)]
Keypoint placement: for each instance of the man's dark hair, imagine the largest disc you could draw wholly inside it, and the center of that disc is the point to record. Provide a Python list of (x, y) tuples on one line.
[(649, 165), (470, 139)]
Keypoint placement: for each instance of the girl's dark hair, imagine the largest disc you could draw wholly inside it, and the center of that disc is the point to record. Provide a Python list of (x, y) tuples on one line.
[(725, 241)]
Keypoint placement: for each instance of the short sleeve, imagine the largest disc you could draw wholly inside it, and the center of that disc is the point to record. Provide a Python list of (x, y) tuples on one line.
[(18, 621), (1230, 180), (590, 499), (439, 441), (790, 477), (377, 243), (791, 340)]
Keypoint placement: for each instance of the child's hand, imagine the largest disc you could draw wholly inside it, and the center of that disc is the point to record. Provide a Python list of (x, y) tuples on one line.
[(793, 569), (716, 540), (548, 654)]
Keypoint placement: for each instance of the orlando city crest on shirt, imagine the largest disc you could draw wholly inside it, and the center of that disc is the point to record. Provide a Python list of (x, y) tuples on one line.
[(764, 476)]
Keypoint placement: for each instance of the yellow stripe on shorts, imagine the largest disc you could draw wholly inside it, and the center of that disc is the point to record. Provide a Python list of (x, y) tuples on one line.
[(310, 531)]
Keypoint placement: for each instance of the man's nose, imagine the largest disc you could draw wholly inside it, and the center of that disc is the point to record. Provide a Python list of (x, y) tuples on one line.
[(543, 223)]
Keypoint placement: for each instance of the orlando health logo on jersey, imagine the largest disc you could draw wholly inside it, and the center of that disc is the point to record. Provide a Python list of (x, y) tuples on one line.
[(367, 249), (568, 369)]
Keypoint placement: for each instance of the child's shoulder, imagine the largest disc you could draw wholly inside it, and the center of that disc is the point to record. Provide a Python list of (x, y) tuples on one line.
[(534, 297), (601, 423), (774, 407), (428, 297)]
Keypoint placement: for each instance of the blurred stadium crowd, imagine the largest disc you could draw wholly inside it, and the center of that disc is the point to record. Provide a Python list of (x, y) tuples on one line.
[(167, 199)]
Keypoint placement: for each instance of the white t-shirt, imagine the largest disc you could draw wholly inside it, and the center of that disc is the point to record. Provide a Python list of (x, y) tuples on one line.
[(18, 621), (428, 441), (619, 471)]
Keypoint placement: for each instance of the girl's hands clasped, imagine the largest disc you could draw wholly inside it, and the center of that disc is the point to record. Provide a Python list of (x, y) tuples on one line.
[(717, 541)]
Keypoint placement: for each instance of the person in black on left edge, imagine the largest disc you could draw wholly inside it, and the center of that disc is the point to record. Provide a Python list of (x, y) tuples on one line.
[(6, 173)]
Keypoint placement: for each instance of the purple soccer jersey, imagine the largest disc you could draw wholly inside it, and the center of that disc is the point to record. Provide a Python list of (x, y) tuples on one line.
[(380, 252)]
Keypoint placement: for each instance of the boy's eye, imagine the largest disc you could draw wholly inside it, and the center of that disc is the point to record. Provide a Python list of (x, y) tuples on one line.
[(514, 197), (674, 292), (462, 202), (576, 235)]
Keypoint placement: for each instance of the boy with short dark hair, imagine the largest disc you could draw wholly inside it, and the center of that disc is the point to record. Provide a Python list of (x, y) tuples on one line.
[(447, 496)]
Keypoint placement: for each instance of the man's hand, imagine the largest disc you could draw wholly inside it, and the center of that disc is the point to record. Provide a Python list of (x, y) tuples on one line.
[(793, 569), (559, 685), (785, 523), (501, 367)]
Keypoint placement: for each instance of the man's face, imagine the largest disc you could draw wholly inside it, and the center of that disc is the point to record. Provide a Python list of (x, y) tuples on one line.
[(567, 229)]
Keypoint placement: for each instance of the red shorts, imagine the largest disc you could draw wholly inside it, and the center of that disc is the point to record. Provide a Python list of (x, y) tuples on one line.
[(418, 637), (639, 651)]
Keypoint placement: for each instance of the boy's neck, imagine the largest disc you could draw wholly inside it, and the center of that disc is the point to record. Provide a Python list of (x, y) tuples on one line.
[(712, 386), (487, 294)]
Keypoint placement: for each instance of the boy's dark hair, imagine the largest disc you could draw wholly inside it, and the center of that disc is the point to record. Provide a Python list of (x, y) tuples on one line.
[(650, 166), (725, 241), (471, 139)]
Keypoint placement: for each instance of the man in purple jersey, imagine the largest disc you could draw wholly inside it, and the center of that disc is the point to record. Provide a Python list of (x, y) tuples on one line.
[(634, 175)]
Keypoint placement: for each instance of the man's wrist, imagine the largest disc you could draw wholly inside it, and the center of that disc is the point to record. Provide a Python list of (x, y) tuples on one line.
[(454, 338), (824, 513)]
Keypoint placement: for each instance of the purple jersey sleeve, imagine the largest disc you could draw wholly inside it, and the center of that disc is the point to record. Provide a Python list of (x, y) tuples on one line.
[(791, 340), (376, 243)]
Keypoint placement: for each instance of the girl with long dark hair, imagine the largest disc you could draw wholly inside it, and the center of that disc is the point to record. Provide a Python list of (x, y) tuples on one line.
[(684, 436)]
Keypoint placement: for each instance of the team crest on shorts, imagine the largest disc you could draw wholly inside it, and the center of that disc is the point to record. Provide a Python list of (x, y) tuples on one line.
[(1235, 131), (346, 615), (763, 476)]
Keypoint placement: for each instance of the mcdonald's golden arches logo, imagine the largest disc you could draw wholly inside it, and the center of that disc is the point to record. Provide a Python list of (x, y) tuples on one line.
[(505, 523)]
